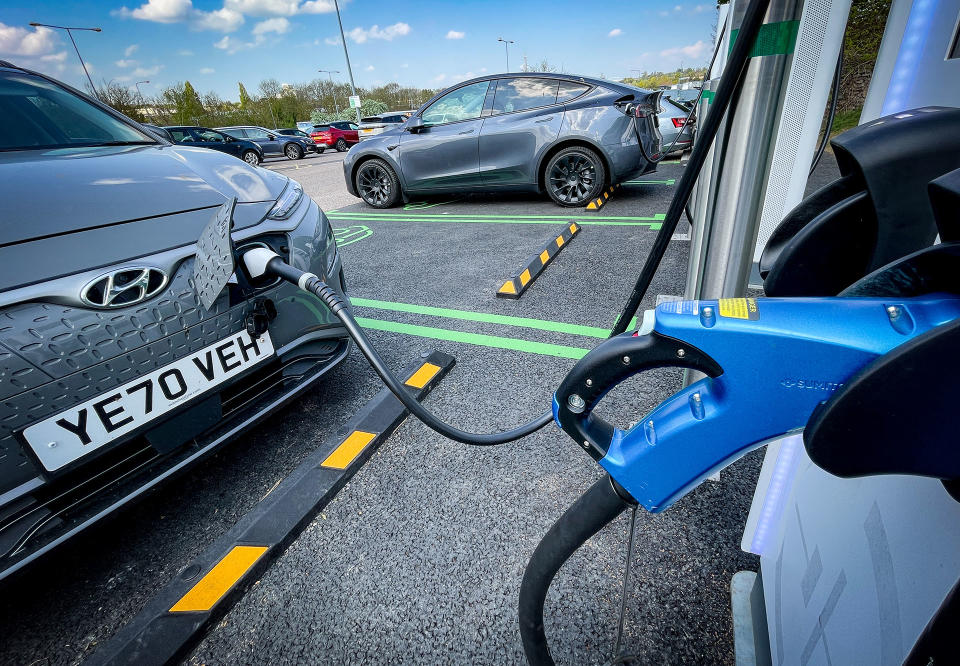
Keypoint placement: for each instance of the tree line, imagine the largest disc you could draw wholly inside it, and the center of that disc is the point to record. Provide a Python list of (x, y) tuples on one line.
[(272, 104)]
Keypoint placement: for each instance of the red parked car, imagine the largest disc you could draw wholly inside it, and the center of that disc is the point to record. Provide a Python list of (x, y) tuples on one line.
[(340, 135)]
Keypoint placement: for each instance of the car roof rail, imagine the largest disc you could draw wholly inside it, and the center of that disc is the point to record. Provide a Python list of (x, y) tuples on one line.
[(4, 63)]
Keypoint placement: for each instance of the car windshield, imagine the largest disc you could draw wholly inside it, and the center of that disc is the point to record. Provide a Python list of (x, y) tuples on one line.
[(38, 114)]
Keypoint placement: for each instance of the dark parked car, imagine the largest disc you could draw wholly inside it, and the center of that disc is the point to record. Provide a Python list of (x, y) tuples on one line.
[(298, 132), (203, 137), (340, 135), (570, 136), (113, 376), (294, 147)]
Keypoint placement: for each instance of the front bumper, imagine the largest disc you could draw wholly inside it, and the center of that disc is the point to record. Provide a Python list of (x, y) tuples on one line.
[(38, 509)]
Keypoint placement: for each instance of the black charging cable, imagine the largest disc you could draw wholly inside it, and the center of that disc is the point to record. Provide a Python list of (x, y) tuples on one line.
[(726, 93), (261, 261), (834, 94)]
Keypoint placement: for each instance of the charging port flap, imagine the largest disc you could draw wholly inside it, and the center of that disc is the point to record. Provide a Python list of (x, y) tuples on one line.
[(214, 263)]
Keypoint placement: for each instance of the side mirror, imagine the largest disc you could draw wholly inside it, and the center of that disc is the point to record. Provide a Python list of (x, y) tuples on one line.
[(415, 125), (272, 137)]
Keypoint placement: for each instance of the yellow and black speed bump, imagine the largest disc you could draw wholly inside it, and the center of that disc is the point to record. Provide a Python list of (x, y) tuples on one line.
[(597, 203), (177, 617), (515, 286)]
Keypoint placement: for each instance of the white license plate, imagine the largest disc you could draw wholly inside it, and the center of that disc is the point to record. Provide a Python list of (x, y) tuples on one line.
[(73, 433)]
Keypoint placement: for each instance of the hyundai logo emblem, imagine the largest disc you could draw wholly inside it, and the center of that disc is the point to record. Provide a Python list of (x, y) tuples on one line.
[(127, 286)]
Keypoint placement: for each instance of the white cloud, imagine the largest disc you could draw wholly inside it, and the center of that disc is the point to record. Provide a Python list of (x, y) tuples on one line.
[(277, 25), (185, 52), (123, 64), (370, 68), (663, 13), (207, 70), (130, 50), (318, 7), (678, 8), (359, 35), (692, 51), (54, 57), (263, 7), (483, 70), (616, 32), (24, 42), (231, 44), (331, 41), (147, 71), (221, 20), (439, 77), (456, 34), (183, 11), (405, 65)]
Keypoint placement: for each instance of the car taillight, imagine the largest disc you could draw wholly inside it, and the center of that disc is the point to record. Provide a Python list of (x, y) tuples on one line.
[(678, 122)]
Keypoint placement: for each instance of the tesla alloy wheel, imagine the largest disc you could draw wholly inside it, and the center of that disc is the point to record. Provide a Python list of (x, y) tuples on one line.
[(377, 184), (574, 176)]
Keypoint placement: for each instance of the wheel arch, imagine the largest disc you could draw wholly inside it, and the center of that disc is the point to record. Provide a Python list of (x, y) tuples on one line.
[(571, 143), (373, 156)]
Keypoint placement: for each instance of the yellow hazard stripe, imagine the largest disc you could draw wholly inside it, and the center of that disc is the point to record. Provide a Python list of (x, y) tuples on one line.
[(544, 257), (223, 576), (423, 375), (524, 277), (348, 449)]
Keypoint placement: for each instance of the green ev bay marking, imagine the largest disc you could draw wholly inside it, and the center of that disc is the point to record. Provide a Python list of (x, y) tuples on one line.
[(669, 181), (352, 234), (652, 222)]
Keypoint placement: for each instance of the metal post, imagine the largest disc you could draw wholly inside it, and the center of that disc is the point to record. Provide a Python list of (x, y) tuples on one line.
[(333, 88), (93, 90), (506, 47), (343, 38)]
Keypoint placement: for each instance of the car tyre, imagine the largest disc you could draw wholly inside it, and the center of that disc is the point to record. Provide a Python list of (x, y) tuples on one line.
[(320, 151), (341, 145), (251, 158), (293, 151), (377, 184), (574, 177)]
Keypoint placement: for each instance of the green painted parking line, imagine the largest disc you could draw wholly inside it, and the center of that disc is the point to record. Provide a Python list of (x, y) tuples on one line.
[(484, 317), (495, 341), (670, 181), (651, 222), (440, 216)]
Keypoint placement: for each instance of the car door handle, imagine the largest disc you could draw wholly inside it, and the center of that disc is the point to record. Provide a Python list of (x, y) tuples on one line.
[(544, 120), (469, 131)]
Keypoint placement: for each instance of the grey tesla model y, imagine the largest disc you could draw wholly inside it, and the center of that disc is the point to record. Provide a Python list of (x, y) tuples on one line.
[(113, 376), (569, 136)]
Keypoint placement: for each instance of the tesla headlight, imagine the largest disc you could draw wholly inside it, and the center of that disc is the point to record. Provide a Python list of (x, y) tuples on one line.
[(288, 200)]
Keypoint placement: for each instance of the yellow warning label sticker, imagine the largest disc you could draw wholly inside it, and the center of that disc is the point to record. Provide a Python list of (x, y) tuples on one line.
[(739, 308)]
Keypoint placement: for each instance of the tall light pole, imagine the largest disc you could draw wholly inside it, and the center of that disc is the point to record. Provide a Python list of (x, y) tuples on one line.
[(70, 34), (506, 47), (330, 73), (343, 38), (137, 84)]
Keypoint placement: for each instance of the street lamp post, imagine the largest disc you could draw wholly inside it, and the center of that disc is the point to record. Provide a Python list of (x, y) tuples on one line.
[(333, 89), (137, 84), (70, 34), (506, 47), (343, 38)]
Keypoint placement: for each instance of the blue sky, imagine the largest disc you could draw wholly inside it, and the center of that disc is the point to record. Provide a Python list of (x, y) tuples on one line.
[(427, 44)]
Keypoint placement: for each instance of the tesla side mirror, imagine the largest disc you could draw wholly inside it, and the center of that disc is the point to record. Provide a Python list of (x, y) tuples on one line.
[(415, 124)]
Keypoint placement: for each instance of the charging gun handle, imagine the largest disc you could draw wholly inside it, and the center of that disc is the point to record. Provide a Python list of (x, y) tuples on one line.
[(606, 366)]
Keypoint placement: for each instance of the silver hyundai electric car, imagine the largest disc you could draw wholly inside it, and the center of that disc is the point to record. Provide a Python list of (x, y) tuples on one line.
[(113, 377)]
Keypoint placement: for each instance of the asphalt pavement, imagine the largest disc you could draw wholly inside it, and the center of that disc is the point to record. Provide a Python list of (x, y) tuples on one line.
[(419, 558)]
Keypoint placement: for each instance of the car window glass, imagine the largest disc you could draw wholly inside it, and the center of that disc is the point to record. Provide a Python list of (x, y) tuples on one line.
[(352, 126), (461, 104), (37, 113), (257, 134), (181, 136), (236, 133), (570, 90), (209, 135), (521, 94)]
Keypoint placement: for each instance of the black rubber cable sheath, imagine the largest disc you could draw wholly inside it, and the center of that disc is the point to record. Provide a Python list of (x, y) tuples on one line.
[(834, 94), (595, 509), (335, 302), (729, 85)]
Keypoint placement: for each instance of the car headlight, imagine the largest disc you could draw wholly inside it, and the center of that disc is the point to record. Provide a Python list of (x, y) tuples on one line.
[(288, 200)]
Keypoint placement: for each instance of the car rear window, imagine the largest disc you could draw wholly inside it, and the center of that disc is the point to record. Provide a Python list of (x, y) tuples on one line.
[(570, 90), (181, 135), (525, 93)]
